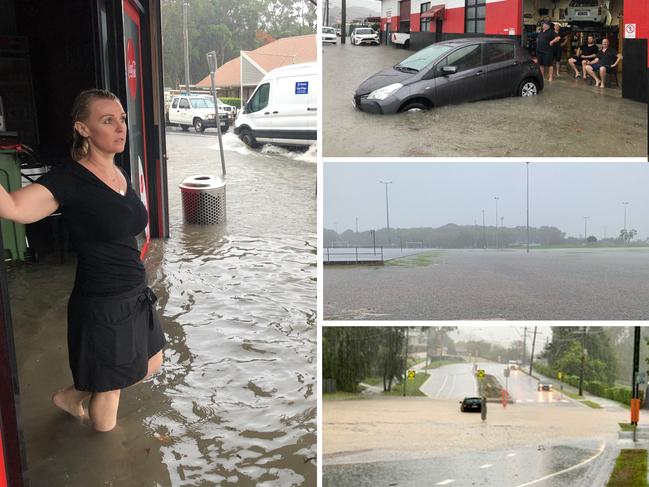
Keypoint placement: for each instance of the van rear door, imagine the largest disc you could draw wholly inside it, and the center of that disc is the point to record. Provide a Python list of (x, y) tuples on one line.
[(294, 106)]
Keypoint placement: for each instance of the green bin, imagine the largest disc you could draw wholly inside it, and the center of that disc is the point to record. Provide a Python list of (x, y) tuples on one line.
[(13, 234)]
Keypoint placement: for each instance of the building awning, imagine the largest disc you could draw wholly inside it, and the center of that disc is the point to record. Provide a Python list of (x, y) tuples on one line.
[(435, 12)]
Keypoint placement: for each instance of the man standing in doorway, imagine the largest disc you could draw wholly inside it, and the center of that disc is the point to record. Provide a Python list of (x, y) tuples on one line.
[(545, 50)]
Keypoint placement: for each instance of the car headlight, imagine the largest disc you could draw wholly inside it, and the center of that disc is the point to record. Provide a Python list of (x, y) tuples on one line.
[(210, 116), (386, 91)]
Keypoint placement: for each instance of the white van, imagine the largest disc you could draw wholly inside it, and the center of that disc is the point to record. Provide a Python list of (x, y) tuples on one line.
[(283, 108)]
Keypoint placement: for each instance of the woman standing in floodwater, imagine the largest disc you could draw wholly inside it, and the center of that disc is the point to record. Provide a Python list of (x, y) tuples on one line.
[(114, 334)]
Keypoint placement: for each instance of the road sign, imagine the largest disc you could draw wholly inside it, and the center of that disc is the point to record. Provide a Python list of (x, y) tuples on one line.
[(481, 373), (629, 31), (559, 375), (507, 372), (411, 374)]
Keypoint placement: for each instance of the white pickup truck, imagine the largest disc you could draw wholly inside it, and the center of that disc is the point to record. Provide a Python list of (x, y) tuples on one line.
[(400, 39)]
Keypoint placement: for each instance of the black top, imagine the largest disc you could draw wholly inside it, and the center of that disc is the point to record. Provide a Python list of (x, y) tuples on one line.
[(543, 40), (607, 58), (587, 50), (103, 225)]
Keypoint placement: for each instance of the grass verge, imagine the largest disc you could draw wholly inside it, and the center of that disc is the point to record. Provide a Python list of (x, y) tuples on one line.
[(412, 386), (591, 404), (417, 260), (343, 396), (630, 469), (626, 426)]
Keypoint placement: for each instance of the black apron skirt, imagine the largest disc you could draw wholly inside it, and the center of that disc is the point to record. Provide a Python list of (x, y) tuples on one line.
[(112, 338)]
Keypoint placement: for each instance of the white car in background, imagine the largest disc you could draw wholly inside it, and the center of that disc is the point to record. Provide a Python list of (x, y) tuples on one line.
[(364, 35), (329, 35), (588, 12)]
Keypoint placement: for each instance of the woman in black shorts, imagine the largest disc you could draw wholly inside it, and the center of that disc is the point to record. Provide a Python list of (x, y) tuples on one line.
[(544, 49), (114, 334)]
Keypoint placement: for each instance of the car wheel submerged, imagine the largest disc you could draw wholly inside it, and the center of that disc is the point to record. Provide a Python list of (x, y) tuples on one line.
[(529, 87), (248, 139), (414, 106)]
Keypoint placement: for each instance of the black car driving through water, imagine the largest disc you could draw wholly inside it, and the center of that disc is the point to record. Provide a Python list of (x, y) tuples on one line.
[(451, 72), (471, 405)]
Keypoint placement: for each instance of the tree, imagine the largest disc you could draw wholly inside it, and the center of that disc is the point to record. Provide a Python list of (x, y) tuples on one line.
[(592, 239)]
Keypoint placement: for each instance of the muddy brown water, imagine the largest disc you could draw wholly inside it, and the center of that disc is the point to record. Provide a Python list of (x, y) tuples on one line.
[(235, 402), (569, 118)]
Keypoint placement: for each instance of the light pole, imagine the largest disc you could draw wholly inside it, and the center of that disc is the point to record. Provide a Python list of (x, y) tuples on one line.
[(484, 232), (387, 210), (625, 203), (527, 174), (356, 224), (586, 228), (496, 198)]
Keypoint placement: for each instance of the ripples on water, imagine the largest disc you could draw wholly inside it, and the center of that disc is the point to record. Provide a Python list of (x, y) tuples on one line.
[(238, 399)]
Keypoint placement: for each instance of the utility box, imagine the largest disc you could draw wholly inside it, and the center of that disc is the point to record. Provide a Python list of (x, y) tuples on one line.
[(203, 200), (13, 234)]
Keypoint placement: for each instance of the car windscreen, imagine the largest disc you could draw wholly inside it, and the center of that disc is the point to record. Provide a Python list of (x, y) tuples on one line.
[(364, 31), (423, 58), (328, 30), (202, 103)]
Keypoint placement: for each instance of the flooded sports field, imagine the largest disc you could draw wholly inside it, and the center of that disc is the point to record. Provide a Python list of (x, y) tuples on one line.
[(554, 284), (235, 402)]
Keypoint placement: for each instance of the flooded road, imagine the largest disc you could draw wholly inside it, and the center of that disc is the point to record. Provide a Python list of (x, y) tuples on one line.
[(580, 284), (547, 125), (574, 465), (235, 403)]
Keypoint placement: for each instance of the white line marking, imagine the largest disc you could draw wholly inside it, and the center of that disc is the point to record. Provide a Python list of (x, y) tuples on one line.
[(601, 450), (511, 455), (486, 465), (443, 384), (445, 482)]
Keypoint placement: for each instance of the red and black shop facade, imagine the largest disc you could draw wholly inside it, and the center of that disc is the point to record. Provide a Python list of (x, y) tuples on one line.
[(437, 20), (49, 52)]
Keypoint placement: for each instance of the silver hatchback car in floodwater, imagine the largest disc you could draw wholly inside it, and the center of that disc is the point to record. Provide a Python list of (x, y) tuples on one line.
[(451, 72)]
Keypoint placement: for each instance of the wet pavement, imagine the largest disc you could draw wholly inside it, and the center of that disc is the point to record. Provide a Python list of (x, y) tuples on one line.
[(558, 284), (561, 465), (569, 118), (235, 403)]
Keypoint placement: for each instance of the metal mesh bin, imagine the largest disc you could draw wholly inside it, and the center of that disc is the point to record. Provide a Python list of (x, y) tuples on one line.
[(203, 200)]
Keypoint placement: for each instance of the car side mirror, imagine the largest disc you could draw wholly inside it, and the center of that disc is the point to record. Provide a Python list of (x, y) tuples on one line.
[(449, 70)]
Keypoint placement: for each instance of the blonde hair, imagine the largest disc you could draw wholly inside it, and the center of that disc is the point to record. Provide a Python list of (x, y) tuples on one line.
[(80, 113)]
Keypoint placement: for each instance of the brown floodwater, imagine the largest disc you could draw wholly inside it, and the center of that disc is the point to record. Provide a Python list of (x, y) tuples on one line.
[(235, 402)]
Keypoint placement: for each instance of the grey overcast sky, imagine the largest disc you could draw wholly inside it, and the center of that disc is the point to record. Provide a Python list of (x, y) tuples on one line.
[(503, 335), (434, 194)]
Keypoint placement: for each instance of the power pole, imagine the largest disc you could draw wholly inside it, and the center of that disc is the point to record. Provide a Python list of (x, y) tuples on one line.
[(405, 362), (586, 227), (343, 22), (636, 361), (387, 209), (496, 198), (532, 355), (583, 361), (524, 341), (186, 35)]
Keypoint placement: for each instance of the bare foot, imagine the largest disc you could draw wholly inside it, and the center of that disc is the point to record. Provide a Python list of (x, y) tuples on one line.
[(65, 399)]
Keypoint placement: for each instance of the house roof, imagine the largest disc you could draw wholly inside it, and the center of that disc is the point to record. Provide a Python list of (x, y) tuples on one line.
[(288, 50)]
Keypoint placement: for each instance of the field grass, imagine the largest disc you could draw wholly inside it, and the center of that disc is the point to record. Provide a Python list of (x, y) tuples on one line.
[(418, 260), (412, 386), (630, 469)]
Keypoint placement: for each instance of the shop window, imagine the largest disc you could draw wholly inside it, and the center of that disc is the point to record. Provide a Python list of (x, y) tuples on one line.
[(424, 24), (475, 14)]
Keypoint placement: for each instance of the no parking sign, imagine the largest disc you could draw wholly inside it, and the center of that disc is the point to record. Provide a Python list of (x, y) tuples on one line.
[(629, 31)]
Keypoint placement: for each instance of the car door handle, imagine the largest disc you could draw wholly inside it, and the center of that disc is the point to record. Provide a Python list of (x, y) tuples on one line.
[(311, 109), (266, 113), (427, 88), (275, 113), (478, 73)]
